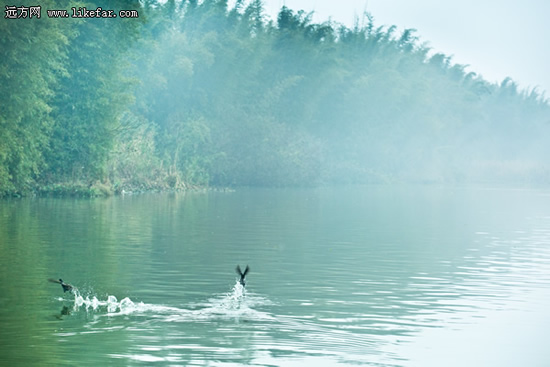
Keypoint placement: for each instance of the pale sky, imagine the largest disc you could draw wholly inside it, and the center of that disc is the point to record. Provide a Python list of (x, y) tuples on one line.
[(496, 38)]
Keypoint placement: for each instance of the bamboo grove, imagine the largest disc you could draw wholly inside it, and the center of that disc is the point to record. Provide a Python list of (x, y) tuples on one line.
[(196, 94)]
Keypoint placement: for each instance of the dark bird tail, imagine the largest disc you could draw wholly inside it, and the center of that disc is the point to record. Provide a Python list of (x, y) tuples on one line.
[(242, 274)]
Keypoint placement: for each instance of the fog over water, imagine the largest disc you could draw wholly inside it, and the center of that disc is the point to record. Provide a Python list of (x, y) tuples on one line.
[(391, 204)]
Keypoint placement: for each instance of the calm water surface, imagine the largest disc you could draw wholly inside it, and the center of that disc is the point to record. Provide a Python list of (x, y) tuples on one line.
[(375, 276)]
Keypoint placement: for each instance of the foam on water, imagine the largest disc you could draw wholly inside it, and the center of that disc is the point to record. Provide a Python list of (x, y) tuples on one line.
[(235, 304), (223, 310)]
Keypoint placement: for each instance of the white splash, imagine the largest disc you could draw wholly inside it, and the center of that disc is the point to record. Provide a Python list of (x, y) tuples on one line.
[(235, 304)]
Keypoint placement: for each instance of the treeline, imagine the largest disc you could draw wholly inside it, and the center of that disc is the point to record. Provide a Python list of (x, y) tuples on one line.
[(203, 94)]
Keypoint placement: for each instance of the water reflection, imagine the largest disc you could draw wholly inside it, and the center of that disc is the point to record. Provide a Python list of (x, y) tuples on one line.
[(363, 276)]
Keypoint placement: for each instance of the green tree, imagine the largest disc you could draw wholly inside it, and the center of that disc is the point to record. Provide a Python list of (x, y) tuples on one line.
[(33, 59), (91, 98)]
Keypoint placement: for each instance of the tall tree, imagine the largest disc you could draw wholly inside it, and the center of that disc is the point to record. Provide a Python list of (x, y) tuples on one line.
[(91, 98), (33, 54)]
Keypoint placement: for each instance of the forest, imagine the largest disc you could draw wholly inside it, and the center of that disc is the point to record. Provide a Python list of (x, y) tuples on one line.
[(196, 94)]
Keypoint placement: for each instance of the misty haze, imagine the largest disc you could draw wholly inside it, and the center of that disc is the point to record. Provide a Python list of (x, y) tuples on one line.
[(198, 94), (390, 206)]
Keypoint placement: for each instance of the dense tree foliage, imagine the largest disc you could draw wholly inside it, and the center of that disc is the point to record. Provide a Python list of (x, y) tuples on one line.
[(32, 58), (200, 93), (90, 99)]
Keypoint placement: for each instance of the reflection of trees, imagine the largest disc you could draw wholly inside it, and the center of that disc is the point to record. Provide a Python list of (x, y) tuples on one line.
[(366, 264)]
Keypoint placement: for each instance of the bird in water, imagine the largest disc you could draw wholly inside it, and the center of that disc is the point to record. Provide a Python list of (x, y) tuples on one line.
[(66, 287), (242, 274)]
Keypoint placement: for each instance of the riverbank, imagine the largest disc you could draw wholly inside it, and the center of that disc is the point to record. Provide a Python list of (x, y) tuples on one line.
[(103, 190)]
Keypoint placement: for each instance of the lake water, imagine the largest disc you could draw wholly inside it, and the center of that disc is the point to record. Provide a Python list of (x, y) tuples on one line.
[(374, 276)]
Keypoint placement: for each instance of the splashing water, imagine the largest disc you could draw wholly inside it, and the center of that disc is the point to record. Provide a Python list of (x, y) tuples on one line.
[(125, 306), (236, 304), (236, 298), (231, 305)]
